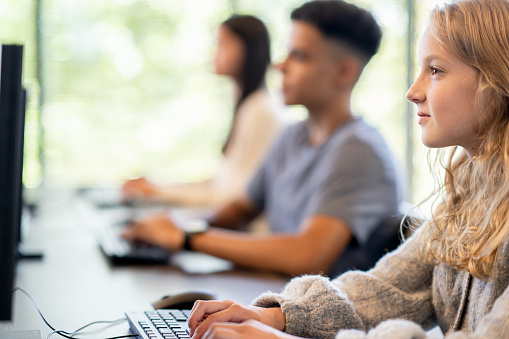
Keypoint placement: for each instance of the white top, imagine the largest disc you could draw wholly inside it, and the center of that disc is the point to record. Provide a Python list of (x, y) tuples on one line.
[(257, 124)]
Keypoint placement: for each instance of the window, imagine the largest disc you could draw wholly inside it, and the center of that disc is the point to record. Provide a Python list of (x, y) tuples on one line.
[(127, 86)]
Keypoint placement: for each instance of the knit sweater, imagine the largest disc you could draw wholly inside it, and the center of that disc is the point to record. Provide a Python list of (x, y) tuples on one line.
[(399, 298)]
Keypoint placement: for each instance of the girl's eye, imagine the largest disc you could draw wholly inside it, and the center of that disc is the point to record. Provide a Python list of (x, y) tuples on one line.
[(434, 70)]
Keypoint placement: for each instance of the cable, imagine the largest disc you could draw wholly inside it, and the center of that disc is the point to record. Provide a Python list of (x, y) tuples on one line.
[(60, 332), (69, 334)]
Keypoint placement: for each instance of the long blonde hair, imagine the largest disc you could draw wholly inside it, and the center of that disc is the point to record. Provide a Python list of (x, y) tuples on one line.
[(472, 221)]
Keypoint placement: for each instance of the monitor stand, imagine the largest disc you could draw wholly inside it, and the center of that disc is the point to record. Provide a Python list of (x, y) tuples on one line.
[(21, 335), (28, 251)]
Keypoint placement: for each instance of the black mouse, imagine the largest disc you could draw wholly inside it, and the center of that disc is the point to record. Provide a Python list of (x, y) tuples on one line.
[(183, 301)]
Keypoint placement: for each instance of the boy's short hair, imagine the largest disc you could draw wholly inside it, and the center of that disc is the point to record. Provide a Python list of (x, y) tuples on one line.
[(342, 21)]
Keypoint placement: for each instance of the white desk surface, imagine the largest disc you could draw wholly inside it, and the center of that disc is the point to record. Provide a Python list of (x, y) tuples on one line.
[(74, 284)]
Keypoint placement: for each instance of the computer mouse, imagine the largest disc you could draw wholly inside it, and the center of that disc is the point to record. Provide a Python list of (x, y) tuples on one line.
[(183, 301)]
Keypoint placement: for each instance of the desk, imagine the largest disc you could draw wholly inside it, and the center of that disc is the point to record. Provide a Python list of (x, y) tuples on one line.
[(74, 284)]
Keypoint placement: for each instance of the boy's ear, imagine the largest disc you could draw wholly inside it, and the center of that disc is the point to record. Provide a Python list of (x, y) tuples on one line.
[(349, 70)]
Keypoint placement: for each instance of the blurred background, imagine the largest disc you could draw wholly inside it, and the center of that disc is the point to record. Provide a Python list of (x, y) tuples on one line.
[(122, 88)]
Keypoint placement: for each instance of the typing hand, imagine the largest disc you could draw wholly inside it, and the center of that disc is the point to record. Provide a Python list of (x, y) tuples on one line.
[(250, 329), (156, 230), (139, 188), (206, 313)]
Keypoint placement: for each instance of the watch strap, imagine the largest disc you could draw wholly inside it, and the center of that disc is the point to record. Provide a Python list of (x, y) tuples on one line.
[(187, 242)]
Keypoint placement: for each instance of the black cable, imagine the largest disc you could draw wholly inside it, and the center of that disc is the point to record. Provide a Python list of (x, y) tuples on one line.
[(61, 332)]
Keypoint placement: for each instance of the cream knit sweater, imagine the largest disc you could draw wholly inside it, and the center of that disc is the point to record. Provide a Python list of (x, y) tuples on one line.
[(399, 298)]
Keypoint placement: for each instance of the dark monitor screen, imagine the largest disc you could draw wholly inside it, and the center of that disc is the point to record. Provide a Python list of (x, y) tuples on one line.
[(12, 118)]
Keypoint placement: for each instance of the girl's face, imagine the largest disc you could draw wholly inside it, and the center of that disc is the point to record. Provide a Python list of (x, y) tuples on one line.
[(445, 92), (230, 53)]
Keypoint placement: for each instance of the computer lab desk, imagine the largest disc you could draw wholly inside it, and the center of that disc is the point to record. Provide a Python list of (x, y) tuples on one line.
[(74, 284)]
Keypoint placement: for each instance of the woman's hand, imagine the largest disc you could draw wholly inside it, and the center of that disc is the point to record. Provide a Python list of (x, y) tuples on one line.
[(139, 188), (206, 313), (250, 329), (156, 230)]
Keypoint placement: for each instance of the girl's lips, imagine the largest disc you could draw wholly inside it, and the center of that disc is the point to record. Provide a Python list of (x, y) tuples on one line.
[(422, 117)]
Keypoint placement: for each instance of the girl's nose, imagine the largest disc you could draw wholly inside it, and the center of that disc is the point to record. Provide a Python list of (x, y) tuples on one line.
[(416, 93)]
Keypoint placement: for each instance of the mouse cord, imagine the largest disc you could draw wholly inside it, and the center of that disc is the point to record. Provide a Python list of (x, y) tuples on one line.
[(69, 334)]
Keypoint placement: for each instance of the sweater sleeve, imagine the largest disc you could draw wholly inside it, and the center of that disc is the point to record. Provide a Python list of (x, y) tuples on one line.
[(313, 307), (394, 329), (398, 287)]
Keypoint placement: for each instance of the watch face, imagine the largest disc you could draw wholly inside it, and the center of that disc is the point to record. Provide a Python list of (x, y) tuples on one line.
[(195, 226)]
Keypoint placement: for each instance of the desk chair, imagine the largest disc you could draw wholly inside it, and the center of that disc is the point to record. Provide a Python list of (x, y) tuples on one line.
[(384, 239)]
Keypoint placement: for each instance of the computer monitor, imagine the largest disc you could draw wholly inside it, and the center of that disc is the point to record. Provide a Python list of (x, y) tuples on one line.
[(12, 118)]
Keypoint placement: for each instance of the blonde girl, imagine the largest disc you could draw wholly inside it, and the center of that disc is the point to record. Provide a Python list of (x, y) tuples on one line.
[(454, 272)]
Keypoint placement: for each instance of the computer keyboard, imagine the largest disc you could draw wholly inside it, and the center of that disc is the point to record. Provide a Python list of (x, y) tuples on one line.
[(121, 251), (166, 324)]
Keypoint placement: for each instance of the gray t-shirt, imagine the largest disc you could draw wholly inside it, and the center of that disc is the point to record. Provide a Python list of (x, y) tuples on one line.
[(350, 177)]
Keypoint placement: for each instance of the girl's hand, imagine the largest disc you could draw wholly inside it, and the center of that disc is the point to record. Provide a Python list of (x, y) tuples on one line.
[(206, 313), (246, 330)]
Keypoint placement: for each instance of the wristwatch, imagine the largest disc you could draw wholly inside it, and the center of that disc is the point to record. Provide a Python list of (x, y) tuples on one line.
[(192, 227)]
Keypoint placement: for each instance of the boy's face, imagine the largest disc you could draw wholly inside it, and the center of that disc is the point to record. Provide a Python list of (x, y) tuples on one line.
[(310, 69)]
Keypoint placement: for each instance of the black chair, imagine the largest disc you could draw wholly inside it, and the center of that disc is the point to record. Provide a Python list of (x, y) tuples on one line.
[(385, 238)]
